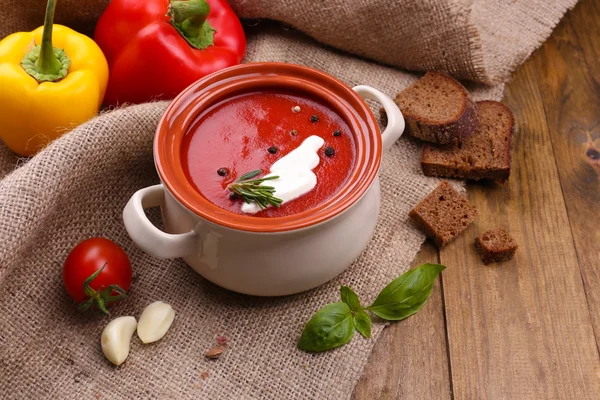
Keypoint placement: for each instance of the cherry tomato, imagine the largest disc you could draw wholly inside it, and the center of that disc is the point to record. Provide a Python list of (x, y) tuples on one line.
[(97, 272)]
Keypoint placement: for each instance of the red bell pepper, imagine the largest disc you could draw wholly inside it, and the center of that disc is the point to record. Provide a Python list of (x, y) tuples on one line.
[(156, 48)]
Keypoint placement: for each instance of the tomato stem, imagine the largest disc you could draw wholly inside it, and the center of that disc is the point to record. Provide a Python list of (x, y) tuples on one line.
[(102, 297)]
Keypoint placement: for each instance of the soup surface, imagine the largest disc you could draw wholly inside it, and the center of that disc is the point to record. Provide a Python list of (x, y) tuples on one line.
[(254, 130)]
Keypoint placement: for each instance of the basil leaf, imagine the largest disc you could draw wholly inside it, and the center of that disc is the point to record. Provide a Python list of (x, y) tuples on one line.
[(362, 323), (330, 327), (350, 297), (406, 294)]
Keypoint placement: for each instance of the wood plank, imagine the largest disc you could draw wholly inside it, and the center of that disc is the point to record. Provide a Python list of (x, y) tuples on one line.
[(571, 98), (522, 329), (410, 359)]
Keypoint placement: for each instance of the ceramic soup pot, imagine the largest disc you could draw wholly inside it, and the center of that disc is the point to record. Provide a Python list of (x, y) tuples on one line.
[(254, 255)]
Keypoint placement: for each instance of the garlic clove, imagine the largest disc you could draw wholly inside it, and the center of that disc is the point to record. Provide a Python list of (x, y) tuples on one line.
[(116, 337), (155, 321)]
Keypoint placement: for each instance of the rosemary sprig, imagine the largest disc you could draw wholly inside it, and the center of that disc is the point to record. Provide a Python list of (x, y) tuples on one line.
[(250, 189)]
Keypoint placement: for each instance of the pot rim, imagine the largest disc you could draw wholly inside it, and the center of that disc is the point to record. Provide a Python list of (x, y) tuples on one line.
[(183, 110)]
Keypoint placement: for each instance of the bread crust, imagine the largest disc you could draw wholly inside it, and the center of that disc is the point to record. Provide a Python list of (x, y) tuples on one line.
[(464, 125), (499, 174), (447, 222), (496, 252), (448, 133)]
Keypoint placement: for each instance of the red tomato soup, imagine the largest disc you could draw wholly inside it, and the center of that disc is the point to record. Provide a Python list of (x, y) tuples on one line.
[(237, 133)]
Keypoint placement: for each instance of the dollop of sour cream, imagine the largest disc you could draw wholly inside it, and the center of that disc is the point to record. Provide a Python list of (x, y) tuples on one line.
[(295, 173)]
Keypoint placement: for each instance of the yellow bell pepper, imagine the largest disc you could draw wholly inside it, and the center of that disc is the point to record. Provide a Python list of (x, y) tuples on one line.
[(51, 80)]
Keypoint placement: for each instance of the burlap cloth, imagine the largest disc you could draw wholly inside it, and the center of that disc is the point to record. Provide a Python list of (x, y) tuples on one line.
[(78, 186)]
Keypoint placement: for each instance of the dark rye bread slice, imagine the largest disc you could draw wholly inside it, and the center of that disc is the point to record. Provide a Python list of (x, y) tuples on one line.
[(443, 214), (495, 245), (438, 109), (486, 154)]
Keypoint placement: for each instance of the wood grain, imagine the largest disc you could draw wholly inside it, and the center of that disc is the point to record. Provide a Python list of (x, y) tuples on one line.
[(529, 328), (410, 359), (571, 100)]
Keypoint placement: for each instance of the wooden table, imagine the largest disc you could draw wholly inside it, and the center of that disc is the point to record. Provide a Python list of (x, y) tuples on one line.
[(528, 328)]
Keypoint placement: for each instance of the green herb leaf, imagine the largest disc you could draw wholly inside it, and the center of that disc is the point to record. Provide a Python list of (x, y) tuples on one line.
[(252, 189), (406, 294), (330, 327), (362, 323), (249, 175), (350, 297)]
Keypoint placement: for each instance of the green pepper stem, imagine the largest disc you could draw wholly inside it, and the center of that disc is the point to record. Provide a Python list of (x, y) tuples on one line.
[(189, 17), (47, 63), (195, 10), (44, 62)]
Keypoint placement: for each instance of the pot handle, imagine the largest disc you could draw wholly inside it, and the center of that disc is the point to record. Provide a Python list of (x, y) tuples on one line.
[(147, 236), (395, 125)]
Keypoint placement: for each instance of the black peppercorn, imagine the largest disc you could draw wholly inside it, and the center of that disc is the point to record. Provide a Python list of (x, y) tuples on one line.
[(223, 171), (272, 149), (233, 196), (314, 118), (337, 132), (329, 151)]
